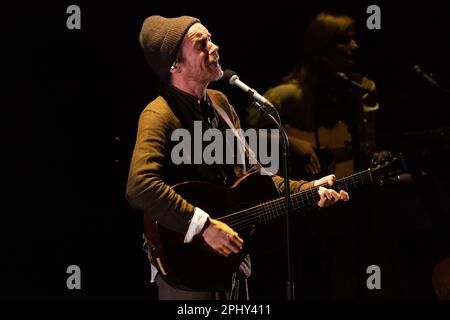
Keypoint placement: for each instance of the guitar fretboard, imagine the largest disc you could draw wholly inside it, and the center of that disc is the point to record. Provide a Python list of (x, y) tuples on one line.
[(272, 209)]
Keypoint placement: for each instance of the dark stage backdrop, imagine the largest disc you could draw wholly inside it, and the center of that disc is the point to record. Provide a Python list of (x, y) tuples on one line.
[(71, 99)]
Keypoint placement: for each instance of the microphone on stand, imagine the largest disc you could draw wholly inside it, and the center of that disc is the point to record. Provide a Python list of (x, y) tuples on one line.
[(425, 76), (232, 78), (353, 82), (264, 105)]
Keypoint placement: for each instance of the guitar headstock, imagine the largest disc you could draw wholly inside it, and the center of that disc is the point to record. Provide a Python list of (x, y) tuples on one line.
[(390, 170)]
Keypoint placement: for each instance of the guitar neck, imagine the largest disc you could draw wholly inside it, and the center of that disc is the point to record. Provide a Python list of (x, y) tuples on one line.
[(270, 210), (311, 196)]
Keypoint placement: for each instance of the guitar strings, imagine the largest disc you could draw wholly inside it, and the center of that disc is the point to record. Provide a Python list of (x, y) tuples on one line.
[(246, 217), (255, 214), (271, 206)]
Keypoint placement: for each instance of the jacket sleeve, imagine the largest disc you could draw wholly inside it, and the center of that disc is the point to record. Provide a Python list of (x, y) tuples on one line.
[(146, 190), (294, 185)]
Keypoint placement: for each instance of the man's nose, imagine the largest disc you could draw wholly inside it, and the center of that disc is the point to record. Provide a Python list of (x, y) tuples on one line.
[(213, 48)]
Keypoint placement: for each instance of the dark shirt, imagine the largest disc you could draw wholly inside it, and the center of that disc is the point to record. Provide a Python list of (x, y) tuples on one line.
[(189, 109)]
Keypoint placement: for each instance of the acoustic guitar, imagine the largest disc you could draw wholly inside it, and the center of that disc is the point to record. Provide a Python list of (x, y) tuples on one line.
[(253, 199), (334, 153)]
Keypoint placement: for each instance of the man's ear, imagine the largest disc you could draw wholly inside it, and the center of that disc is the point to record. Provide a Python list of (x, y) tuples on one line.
[(174, 68)]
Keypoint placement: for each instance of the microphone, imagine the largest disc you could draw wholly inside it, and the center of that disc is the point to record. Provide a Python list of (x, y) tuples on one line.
[(425, 76), (232, 78), (401, 178), (353, 82)]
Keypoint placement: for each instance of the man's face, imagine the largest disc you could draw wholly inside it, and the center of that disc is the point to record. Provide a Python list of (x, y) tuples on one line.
[(200, 56)]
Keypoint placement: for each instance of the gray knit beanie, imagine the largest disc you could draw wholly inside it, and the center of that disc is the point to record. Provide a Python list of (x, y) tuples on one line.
[(160, 39)]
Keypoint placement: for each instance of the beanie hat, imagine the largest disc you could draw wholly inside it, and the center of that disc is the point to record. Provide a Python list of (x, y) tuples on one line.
[(160, 39)]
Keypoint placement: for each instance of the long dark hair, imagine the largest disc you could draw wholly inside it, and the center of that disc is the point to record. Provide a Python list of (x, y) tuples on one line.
[(321, 37)]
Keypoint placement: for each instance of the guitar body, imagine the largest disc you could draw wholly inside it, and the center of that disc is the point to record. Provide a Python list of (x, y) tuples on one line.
[(194, 265), (334, 153)]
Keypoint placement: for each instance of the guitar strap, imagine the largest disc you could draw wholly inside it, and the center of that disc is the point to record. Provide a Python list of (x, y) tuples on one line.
[(244, 147)]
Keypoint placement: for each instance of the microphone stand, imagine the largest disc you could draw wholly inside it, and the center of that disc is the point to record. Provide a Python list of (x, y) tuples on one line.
[(290, 285)]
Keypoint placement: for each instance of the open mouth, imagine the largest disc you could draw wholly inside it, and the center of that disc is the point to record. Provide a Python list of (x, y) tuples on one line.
[(215, 65)]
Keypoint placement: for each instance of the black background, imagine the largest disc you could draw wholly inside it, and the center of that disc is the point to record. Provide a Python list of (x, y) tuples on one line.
[(71, 99)]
